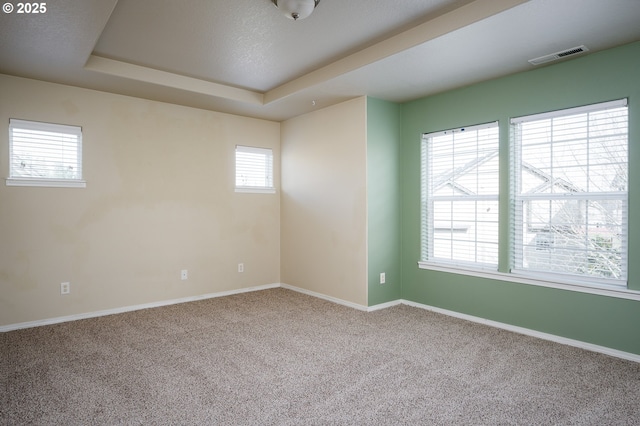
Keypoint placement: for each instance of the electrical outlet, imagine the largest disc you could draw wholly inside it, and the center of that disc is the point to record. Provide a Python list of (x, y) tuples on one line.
[(240, 267), (184, 275), (65, 288), (383, 278)]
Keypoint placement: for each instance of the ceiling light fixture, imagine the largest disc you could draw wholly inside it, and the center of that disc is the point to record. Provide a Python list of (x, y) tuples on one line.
[(296, 9)]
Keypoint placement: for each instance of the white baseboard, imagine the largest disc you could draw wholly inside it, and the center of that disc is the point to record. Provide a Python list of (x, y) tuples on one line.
[(384, 305), (325, 297), (529, 332), (521, 330), (121, 310)]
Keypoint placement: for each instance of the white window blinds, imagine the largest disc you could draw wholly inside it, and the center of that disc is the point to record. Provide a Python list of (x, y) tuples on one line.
[(254, 169), (569, 186), (44, 154), (460, 185)]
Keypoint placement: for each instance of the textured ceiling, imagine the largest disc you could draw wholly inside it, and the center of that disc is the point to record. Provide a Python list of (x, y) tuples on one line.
[(251, 46), (245, 57)]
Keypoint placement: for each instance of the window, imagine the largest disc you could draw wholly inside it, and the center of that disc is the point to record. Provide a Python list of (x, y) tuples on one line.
[(570, 176), (254, 169), (460, 184), (43, 154)]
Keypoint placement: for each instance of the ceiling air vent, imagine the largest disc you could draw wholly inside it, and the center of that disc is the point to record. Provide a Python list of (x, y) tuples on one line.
[(559, 55)]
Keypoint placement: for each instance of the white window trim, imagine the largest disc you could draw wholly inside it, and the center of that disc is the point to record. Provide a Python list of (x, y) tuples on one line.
[(439, 262), (255, 189), (559, 278), (571, 111), (47, 183), (44, 182), (462, 129), (522, 278), (549, 280)]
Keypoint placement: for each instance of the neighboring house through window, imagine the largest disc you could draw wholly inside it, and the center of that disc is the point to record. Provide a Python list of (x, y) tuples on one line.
[(460, 184), (569, 173), (569, 193)]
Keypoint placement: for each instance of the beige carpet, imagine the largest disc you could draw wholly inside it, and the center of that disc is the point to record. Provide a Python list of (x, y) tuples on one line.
[(276, 357)]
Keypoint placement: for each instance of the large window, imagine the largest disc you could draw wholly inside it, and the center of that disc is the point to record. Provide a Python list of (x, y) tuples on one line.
[(44, 154), (254, 169), (569, 189), (460, 184)]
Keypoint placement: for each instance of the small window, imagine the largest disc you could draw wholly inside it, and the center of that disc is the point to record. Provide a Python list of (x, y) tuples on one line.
[(460, 185), (570, 180), (254, 169), (44, 154)]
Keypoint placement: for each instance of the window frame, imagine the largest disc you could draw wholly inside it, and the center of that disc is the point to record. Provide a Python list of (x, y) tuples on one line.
[(518, 200), (42, 181), (505, 271), (269, 186), (428, 258)]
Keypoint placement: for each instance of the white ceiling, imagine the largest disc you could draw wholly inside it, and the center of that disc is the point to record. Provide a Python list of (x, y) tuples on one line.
[(244, 57)]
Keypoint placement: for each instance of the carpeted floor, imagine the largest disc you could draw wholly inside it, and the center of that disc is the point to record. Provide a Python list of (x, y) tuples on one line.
[(276, 357)]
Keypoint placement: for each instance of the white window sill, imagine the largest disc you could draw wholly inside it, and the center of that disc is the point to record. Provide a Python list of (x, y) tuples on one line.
[(49, 183), (257, 190), (599, 289)]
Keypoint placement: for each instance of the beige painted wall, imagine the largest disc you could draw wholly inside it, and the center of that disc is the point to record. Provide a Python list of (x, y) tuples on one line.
[(323, 202), (159, 198)]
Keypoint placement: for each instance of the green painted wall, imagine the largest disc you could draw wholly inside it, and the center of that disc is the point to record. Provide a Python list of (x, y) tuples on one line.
[(383, 200), (601, 320)]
